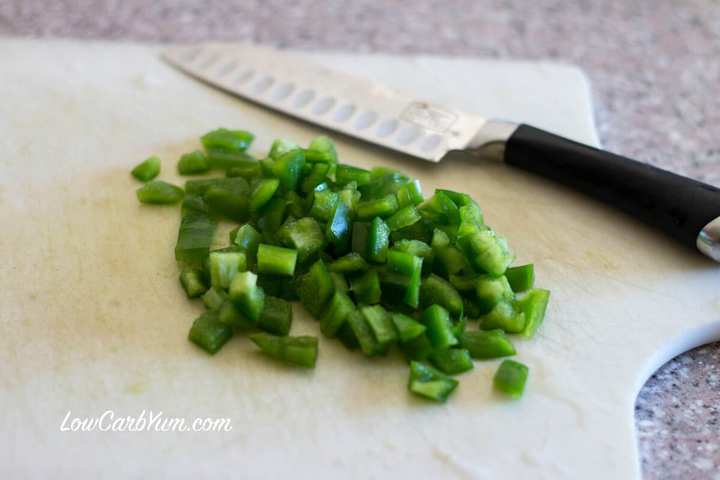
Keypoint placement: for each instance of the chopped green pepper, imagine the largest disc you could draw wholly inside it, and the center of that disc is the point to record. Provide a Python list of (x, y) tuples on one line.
[(381, 324), (486, 251), (147, 169), (276, 316), (345, 174), (430, 383), (227, 140), (276, 260), (248, 240), (321, 149), (350, 263), (192, 163), (492, 290), (439, 328), (437, 290), (407, 327), (511, 377), (247, 295), (366, 287), (282, 146), (299, 351), (208, 333), (316, 288), (229, 314), (452, 360), (157, 192), (378, 239), (418, 348), (336, 313), (505, 317), (521, 278), (195, 235), (214, 297), (364, 334), (287, 168), (324, 203), (410, 194), (263, 192), (403, 218), (192, 282), (228, 198), (305, 236), (338, 228), (382, 207), (487, 344), (224, 265), (533, 305)]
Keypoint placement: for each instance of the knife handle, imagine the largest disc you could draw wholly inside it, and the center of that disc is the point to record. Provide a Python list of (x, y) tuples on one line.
[(684, 208)]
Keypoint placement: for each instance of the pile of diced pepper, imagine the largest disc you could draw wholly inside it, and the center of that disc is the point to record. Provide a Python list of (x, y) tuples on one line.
[(375, 262)]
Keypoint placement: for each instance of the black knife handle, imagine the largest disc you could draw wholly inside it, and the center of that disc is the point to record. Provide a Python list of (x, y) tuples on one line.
[(678, 205)]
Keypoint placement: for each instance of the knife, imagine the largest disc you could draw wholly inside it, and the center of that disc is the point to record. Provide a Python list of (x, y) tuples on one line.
[(684, 208)]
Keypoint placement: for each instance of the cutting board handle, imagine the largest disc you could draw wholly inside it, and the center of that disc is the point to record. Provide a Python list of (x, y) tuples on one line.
[(684, 208)]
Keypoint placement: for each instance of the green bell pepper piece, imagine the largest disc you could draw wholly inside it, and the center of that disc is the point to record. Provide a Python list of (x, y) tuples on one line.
[(192, 282), (452, 360), (208, 333), (195, 235), (487, 344), (248, 240), (366, 288), (263, 192), (193, 163), (336, 313), (276, 260), (533, 305), (350, 263), (157, 192), (276, 316), (410, 194), (381, 324), (521, 278), (305, 236), (247, 296), (316, 288), (381, 207), (490, 291), (504, 316), (321, 149), (439, 327), (288, 167), (227, 140), (324, 203), (147, 169), (282, 146), (486, 251), (403, 218), (429, 383), (345, 174), (511, 377), (437, 290), (297, 351), (378, 239), (224, 265), (407, 328), (338, 228)]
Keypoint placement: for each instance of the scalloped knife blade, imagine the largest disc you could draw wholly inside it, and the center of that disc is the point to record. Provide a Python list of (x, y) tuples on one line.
[(337, 101)]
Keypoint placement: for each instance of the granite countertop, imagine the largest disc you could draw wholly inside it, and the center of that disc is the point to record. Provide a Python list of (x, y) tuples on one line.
[(655, 70)]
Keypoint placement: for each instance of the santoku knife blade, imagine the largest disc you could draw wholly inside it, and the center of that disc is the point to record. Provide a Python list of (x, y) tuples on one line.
[(684, 208)]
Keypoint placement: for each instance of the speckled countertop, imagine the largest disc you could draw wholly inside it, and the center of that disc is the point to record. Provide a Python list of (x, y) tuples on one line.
[(655, 70)]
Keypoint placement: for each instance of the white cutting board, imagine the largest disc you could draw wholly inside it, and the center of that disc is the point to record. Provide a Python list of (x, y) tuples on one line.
[(92, 317)]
